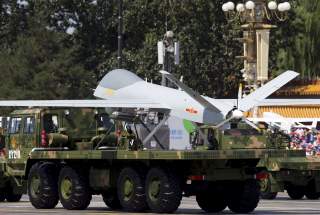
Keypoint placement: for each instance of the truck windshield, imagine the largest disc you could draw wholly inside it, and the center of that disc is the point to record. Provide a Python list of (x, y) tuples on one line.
[(29, 125), (15, 125)]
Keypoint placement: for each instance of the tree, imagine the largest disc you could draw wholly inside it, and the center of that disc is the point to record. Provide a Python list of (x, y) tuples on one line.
[(41, 65), (298, 38)]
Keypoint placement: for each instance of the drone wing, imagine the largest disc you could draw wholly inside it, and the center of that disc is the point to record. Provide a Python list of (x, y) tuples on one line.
[(260, 94)]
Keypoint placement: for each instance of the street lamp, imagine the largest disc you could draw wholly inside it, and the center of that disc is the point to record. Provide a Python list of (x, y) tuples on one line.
[(256, 11), (255, 17)]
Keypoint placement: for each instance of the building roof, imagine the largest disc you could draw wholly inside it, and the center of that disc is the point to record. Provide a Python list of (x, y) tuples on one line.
[(289, 111), (299, 88)]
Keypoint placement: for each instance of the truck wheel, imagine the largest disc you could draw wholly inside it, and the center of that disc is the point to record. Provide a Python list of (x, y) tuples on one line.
[(211, 201), (244, 198), (2, 196), (111, 199), (310, 191), (163, 191), (11, 197), (42, 186), (131, 190), (265, 189), (295, 192), (74, 190), (313, 195)]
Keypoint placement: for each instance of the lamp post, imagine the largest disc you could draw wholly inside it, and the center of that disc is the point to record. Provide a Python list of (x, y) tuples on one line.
[(120, 33), (256, 17)]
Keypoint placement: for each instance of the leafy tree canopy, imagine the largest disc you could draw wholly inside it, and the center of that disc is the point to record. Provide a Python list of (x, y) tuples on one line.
[(60, 49)]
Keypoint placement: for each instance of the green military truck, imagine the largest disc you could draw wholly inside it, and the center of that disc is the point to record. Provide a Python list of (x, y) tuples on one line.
[(59, 161), (293, 171), (297, 174), (63, 155), (8, 189)]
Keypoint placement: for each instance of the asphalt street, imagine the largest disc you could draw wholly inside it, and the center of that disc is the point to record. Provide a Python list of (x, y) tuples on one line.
[(281, 205)]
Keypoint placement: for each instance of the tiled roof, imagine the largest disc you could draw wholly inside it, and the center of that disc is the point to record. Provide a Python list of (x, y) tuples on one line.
[(300, 88), (307, 111)]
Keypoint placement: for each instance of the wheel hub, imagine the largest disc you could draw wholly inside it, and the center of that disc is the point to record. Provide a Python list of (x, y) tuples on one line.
[(264, 185), (35, 185), (66, 188), (154, 189), (128, 188)]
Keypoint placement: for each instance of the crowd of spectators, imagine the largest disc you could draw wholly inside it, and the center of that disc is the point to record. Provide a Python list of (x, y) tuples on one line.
[(307, 139)]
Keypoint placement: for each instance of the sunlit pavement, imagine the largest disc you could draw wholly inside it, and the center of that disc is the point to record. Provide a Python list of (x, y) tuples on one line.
[(281, 205)]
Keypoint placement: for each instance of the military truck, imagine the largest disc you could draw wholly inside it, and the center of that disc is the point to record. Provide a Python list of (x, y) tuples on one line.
[(293, 171), (46, 152), (297, 174), (7, 184), (32, 128)]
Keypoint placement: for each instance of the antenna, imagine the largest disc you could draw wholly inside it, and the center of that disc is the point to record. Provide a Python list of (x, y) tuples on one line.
[(160, 52), (176, 53), (168, 51)]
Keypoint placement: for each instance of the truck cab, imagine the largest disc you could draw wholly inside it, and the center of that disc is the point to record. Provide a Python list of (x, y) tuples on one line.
[(39, 128)]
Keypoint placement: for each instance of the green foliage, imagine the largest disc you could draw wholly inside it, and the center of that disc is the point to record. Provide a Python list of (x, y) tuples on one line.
[(207, 64), (60, 49), (40, 65), (298, 40)]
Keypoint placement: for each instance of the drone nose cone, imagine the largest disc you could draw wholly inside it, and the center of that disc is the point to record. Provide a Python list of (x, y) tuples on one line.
[(99, 92), (115, 80), (237, 114)]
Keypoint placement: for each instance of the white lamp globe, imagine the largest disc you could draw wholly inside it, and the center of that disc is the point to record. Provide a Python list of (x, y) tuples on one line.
[(286, 6), (230, 5), (272, 5), (225, 7), (281, 7), (250, 5), (240, 7)]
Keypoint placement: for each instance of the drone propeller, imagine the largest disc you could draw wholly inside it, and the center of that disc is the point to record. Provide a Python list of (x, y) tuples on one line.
[(254, 98)]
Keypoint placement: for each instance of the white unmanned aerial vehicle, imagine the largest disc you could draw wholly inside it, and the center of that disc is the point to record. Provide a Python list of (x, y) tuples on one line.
[(123, 89)]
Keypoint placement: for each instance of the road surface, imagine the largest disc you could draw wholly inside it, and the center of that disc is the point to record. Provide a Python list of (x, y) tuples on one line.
[(281, 205)]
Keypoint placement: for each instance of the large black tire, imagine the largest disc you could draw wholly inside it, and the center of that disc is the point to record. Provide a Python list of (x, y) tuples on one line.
[(42, 186), (2, 195), (211, 200), (244, 197), (74, 192), (111, 199), (11, 196), (131, 190), (310, 191), (295, 192), (312, 195), (163, 191)]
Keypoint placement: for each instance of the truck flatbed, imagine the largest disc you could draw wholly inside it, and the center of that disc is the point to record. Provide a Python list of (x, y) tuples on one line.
[(163, 155)]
